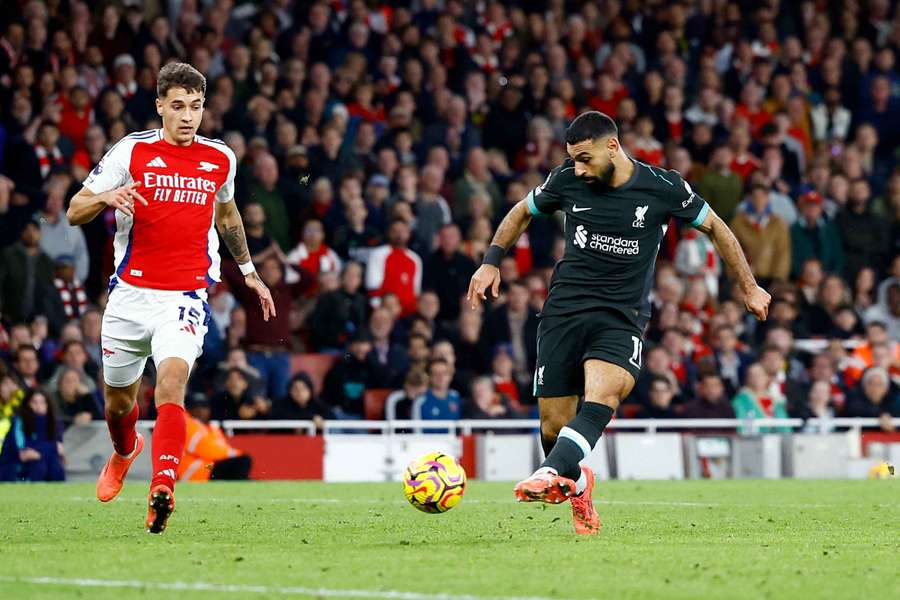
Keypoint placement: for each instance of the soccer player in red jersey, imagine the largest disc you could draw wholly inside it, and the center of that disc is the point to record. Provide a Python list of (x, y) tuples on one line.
[(171, 189)]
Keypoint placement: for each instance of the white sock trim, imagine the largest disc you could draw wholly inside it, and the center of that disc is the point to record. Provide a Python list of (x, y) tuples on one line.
[(544, 470), (130, 454), (569, 433), (581, 484)]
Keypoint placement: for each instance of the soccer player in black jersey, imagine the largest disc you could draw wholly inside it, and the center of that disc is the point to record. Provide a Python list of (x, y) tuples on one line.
[(590, 334)]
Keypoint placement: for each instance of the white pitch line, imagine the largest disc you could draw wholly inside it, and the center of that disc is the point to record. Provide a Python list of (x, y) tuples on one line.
[(202, 586)]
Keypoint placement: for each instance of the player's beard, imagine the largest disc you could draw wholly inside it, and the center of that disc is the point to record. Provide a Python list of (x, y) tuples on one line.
[(604, 178)]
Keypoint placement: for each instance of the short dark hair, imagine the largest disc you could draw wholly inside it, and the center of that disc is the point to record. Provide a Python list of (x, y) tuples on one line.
[(709, 375), (591, 125), (179, 74)]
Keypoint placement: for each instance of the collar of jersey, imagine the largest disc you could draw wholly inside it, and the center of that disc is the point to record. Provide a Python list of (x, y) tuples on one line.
[(631, 180)]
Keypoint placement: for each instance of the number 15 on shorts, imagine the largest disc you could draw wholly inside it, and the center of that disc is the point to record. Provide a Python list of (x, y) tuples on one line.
[(193, 315)]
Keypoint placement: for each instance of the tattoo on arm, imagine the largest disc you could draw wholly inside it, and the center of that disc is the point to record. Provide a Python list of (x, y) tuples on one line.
[(236, 240), (512, 226), (231, 228), (730, 250)]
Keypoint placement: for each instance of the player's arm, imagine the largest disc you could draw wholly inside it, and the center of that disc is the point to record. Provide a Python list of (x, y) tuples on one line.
[(231, 228), (508, 232), (86, 205), (756, 299)]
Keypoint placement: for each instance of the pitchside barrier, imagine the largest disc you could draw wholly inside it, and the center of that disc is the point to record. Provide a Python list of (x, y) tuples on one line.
[(506, 450)]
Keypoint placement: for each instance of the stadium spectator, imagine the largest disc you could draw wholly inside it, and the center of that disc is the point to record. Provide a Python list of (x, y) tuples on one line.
[(476, 180), (73, 401), (266, 191), (395, 269), (440, 402), (76, 358), (399, 403), (660, 405), (887, 310), (58, 238), (757, 400), (514, 323), (356, 237), (487, 403), (711, 401), (447, 271), (26, 366), (339, 313), (259, 243), (312, 257), (390, 356), (875, 397), (301, 403), (731, 358), (268, 342), (763, 235), (818, 406), (33, 450), (237, 401), (863, 233), (813, 235), (26, 278), (346, 383)]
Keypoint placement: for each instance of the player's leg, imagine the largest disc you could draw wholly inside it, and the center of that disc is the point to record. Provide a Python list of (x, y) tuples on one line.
[(558, 381), (555, 413), (168, 440), (124, 357), (176, 343), (606, 385)]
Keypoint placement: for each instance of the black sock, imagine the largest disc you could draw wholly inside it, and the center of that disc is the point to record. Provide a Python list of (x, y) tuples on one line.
[(577, 439), (547, 444)]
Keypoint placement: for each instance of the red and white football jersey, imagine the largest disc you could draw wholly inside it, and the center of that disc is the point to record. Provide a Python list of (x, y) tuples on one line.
[(171, 244)]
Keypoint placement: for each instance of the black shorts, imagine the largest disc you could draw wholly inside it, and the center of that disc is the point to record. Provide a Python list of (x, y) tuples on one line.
[(565, 342)]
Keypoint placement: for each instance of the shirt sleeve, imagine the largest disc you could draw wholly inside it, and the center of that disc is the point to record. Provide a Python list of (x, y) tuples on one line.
[(686, 204), (546, 198), (225, 193), (112, 170)]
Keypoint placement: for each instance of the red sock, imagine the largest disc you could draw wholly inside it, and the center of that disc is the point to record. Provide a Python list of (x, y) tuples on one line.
[(122, 432), (168, 444)]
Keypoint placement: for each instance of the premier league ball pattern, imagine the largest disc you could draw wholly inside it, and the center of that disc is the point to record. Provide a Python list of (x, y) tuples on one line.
[(434, 482)]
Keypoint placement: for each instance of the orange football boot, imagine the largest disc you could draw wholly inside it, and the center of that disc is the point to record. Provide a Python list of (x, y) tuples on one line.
[(109, 484), (161, 503), (545, 487), (584, 515)]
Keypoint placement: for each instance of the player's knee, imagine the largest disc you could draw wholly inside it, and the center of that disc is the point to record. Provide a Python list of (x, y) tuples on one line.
[(610, 400), (118, 401), (170, 389)]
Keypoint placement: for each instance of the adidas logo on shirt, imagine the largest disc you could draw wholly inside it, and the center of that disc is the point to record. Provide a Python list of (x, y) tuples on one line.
[(157, 162)]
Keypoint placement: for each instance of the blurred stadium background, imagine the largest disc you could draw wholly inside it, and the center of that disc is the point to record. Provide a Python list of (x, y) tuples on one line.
[(379, 146)]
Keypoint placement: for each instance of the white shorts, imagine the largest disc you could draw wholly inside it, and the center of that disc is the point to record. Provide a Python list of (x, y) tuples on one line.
[(141, 322)]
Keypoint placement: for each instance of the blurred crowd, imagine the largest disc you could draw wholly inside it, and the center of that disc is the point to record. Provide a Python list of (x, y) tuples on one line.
[(380, 144)]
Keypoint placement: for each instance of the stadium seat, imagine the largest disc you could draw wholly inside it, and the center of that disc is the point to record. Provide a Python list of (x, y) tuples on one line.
[(629, 411), (373, 403), (316, 365)]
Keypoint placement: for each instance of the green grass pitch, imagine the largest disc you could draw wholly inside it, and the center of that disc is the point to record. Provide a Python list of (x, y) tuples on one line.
[(697, 539)]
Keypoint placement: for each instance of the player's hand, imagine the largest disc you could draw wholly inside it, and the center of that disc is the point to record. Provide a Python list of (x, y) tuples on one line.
[(123, 198), (265, 296), (487, 276), (757, 302)]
